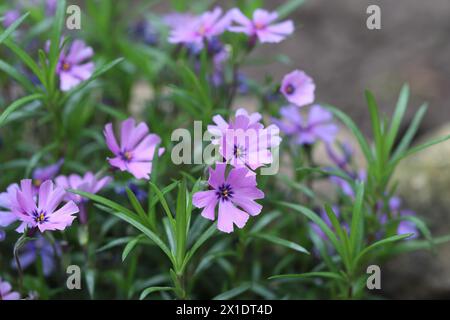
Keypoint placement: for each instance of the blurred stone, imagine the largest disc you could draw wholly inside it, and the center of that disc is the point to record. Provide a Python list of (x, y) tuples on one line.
[(424, 181), (141, 94)]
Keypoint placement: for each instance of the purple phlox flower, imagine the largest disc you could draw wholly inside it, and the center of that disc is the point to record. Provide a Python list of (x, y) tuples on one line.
[(6, 292), (244, 141), (7, 201), (298, 88), (136, 150), (221, 126), (326, 219), (140, 194), (242, 83), (50, 7), (261, 26), (344, 185), (341, 161), (202, 28), (45, 173), (395, 207), (177, 20), (144, 32), (42, 211), (395, 204), (235, 196), (406, 226), (87, 183), (220, 56), (74, 67), (39, 248), (318, 126), (10, 16)]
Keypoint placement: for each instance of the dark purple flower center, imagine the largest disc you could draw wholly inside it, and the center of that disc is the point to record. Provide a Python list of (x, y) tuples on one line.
[(126, 156), (224, 192), (238, 151), (39, 216), (289, 89)]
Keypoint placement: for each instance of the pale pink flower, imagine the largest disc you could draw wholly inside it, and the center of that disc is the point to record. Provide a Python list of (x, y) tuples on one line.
[(136, 150), (298, 88), (261, 26)]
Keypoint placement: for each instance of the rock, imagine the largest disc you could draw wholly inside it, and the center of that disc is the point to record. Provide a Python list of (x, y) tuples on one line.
[(424, 184)]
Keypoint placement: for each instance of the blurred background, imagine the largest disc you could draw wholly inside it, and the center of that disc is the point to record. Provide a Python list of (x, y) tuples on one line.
[(334, 46)]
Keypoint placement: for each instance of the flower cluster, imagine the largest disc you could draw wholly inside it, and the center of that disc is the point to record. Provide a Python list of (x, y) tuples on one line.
[(200, 29), (245, 144)]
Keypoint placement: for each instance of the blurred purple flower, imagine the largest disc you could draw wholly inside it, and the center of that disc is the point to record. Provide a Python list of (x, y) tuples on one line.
[(2, 235), (42, 212), (177, 20), (50, 7), (318, 126), (39, 248), (73, 67), (10, 16), (136, 150), (341, 161), (235, 192), (396, 212), (6, 293), (344, 185), (261, 26), (87, 183), (298, 88), (45, 173), (323, 215), (144, 32), (6, 215), (204, 27), (140, 194), (242, 83), (406, 226)]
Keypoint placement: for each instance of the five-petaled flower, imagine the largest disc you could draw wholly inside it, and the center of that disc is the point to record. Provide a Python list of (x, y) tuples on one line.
[(298, 88), (42, 211), (201, 28), (318, 126), (136, 150), (235, 196), (74, 67), (87, 183), (244, 141), (261, 26)]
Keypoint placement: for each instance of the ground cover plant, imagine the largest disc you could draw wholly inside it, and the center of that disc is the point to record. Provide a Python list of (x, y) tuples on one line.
[(102, 168)]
